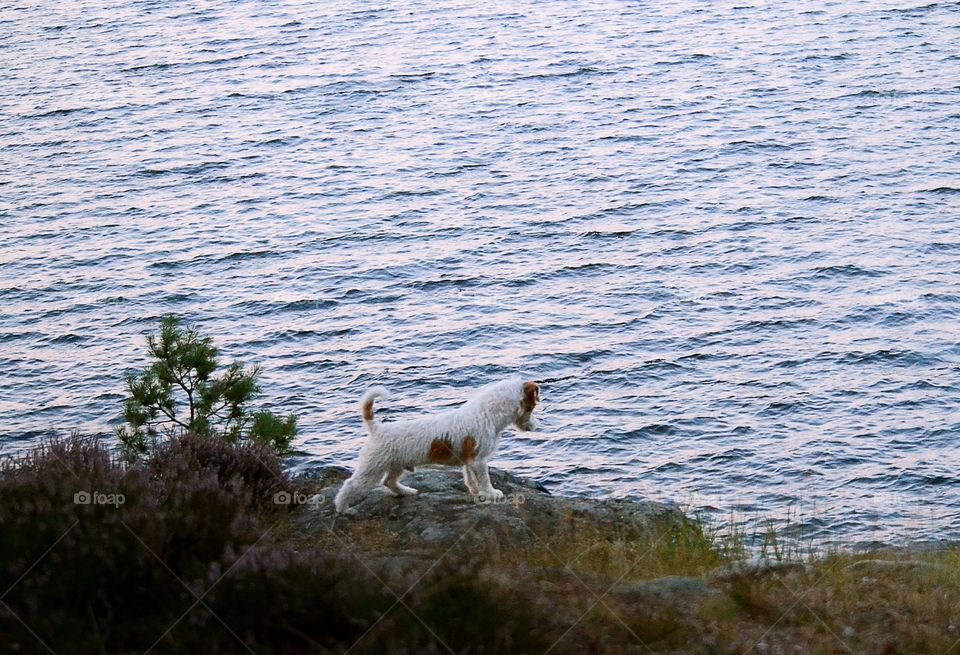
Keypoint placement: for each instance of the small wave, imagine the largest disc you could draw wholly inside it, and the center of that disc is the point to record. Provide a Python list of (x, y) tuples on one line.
[(625, 138), (673, 233), (844, 270), (667, 467), (458, 170), (661, 365), (413, 77), (527, 281), (589, 267), (898, 318), (6, 337), (943, 246), (788, 363), (383, 299), (913, 10), (583, 70), (652, 430), (59, 112), (279, 141), (773, 324), (781, 408), (593, 470), (882, 93), (582, 357), (838, 57), (882, 480), (926, 385), (243, 256), (188, 170), (802, 219), (279, 307), (68, 338), (758, 145), (829, 460), (457, 283), (626, 208), (175, 298), (919, 481), (161, 65), (943, 190), (690, 59), (112, 300), (597, 234), (882, 356), (285, 335), (319, 365), (425, 193), (949, 298), (731, 455)]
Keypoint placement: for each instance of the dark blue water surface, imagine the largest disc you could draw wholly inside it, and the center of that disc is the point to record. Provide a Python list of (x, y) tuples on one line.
[(724, 235)]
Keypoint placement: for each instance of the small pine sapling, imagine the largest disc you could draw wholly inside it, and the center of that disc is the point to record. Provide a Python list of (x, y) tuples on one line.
[(179, 391)]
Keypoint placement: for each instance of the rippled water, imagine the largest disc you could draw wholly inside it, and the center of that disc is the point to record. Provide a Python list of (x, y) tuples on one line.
[(723, 235)]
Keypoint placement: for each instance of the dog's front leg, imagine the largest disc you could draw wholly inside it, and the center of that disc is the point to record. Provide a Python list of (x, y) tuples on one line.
[(470, 480), (482, 477)]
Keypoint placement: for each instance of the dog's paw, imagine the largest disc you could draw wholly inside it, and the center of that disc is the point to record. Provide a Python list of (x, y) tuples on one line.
[(403, 490), (347, 511)]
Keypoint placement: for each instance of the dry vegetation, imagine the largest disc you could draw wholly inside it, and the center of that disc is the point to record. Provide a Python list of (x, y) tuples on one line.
[(671, 588), (198, 522)]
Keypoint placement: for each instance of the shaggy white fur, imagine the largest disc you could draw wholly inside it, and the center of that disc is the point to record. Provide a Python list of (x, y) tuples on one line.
[(466, 436)]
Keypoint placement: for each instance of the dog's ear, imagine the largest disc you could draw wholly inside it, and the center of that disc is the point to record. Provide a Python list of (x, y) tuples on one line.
[(531, 396)]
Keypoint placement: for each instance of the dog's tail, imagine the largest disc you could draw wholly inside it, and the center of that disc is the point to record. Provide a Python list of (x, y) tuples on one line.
[(366, 407)]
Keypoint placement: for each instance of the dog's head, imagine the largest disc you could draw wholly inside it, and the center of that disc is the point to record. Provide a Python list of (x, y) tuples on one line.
[(528, 401)]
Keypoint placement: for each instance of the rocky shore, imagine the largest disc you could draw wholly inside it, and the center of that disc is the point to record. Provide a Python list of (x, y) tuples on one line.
[(444, 512), (630, 575)]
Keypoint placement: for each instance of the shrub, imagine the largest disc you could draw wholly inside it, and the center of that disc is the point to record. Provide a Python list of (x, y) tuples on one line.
[(255, 467), (74, 569), (94, 577), (182, 377)]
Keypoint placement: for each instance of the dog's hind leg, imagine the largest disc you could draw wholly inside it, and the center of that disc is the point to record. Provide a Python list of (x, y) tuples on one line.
[(360, 482), (392, 482)]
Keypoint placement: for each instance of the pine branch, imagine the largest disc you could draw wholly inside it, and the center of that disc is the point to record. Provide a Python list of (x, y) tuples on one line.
[(172, 417)]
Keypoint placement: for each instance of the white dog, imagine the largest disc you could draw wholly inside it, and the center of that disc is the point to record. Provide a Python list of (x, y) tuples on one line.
[(466, 436)]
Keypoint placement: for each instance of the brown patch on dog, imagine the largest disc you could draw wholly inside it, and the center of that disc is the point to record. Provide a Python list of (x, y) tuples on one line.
[(441, 451), (531, 396), (368, 410), (468, 450)]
